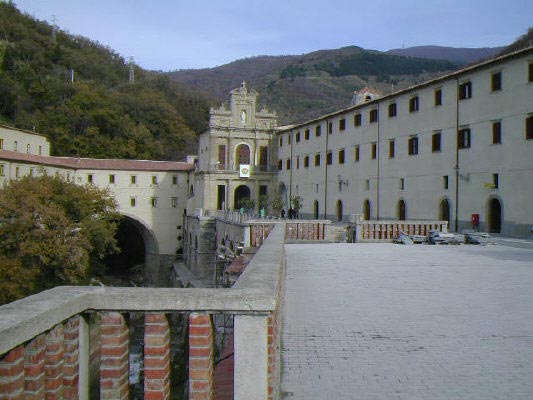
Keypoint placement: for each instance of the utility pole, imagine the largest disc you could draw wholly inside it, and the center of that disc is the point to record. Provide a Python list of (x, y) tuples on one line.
[(132, 71)]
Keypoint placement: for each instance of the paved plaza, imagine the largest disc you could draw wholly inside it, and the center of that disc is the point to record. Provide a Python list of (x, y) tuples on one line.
[(385, 321)]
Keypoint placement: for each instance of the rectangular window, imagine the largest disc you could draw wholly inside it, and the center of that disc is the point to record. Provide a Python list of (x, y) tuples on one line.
[(281, 141), (445, 182), (289, 138), (413, 104), (32, 171), (317, 160), (2, 171), (367, 184), (495, 181), (496, 132), (111, 178), (436, 142), (529, 127), (15, 146), (463, 138), (391, 148), (68, 176), (496, 81), (174, 180), (373, 115), (288, 164), (342, 124), (413, 145), (341, 156), (306, 161), (298, 162), (402, 183), (17, 172), (297, 137), (465, 90), (530, 73), (356, 153), (221, 157), (153, 202), (40, 150), (392, 110), (318, 131), (28, 149), (133, 201), (133, 179), (357, 120), (90, 178), (329, 158), (374, 150), (438, 97), (330, 128), (173, 202), (263, 158), (1, 144), (306, 134), (280, 165), (154, 179)]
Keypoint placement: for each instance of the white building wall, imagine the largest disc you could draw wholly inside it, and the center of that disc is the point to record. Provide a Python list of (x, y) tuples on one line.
[(23, 141)]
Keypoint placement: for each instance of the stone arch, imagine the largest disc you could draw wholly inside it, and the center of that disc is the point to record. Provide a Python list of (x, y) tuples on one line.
[(367, 210), (445, 211), (339, 210), (242, 154), (316, 209), (131, 232), (494, 214), (402, 210), (242, 192)]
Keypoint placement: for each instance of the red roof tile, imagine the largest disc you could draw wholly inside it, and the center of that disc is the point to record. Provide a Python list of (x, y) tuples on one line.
[(95, 163)]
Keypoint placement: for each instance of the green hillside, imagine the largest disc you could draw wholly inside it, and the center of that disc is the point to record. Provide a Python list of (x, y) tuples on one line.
[(302, 87), (99, 114)]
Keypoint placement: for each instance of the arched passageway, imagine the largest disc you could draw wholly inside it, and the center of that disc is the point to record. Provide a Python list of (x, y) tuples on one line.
[(339, 210), (445, 211), (316, 209), (366, 210), (139, 251), (242, 196), (494, 215), (401, 210)]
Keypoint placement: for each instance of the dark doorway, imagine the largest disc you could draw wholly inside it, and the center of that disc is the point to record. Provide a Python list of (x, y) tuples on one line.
[(495, 216), (315, 210), (132, 254), (221, 197), (366, 210), (401, 210), (339, 210), (445, 211), (242, 194)]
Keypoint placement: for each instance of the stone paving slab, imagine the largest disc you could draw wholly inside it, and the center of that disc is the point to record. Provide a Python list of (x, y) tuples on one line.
[(384, 321)]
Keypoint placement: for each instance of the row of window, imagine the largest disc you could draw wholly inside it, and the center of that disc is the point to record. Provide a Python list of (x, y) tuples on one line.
[(133, 179), (464, 92), (154, 202), (16, 147), (464, 141)]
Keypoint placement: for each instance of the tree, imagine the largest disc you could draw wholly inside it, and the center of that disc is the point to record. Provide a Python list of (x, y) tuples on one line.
[(277, 203), (51, 232), (297, 202)]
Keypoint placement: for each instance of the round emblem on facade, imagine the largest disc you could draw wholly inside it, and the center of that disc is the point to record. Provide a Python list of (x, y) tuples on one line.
[(244, 170)]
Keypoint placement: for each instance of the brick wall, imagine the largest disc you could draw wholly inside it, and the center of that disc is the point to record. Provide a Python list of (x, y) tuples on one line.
[(201, 353), (114, 356), (156, 357)]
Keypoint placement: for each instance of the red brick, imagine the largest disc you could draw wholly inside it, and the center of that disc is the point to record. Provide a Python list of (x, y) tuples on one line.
[(156, 351), (200, 319), (155, 317), (199, 330), (199, 340), (200, 352), (156, 374), (199, 363)]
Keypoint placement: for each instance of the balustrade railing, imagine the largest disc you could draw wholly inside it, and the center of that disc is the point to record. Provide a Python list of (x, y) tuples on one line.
[(389, 230), (45, 338)]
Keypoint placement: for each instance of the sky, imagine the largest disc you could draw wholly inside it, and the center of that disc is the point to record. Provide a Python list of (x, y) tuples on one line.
[(178, 34)]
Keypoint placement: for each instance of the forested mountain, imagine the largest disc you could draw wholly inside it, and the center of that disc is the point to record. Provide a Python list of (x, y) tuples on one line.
[(459, 55), (99, 113), (302, 87)]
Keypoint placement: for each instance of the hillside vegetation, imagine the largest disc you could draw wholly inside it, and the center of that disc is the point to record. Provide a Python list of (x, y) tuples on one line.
[(305, 86), (99, 114)]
